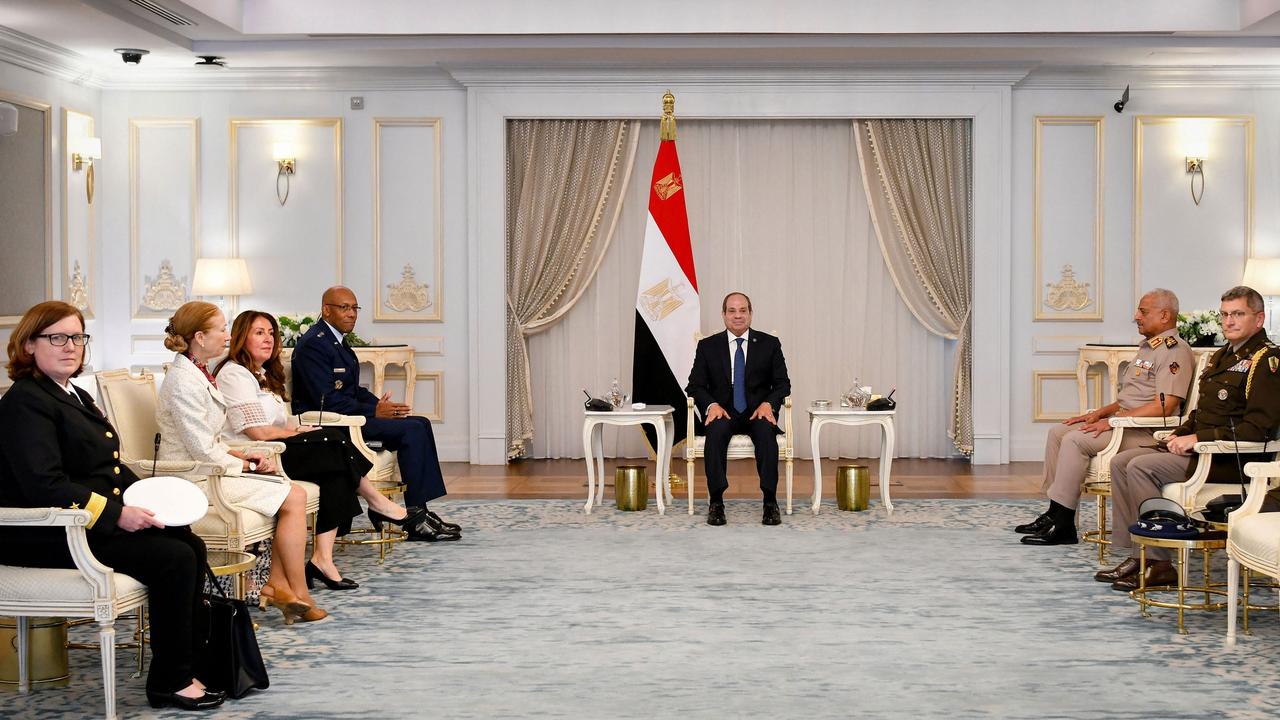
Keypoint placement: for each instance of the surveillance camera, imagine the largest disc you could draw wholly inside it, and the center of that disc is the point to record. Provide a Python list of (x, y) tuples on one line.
[(132, 55), (8, 119), (1124, 100)]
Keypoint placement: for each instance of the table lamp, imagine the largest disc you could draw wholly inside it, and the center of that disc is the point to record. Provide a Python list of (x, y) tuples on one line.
[(1263, 275)]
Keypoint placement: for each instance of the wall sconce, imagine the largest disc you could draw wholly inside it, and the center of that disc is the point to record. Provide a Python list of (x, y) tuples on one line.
[(1195, 168), (286, 162), (86, 149)]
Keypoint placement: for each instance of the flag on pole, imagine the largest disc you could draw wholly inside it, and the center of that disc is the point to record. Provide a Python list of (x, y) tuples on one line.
[(667, 307)]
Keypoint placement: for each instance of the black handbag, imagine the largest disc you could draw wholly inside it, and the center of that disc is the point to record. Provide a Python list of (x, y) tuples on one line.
[(232, 660)]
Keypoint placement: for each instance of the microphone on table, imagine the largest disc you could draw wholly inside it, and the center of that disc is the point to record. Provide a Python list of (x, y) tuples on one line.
[(320, 422), (155, 456)]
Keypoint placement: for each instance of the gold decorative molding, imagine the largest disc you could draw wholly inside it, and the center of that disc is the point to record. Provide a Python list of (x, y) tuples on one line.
[(85, 284), (165, 292), (1038, 377), (233, 204), (47, 110), (1068, 294), (434, 307), (437, 386), (408, 295), (1040, 301), (1139, 122), (76, 293), (136, 128)]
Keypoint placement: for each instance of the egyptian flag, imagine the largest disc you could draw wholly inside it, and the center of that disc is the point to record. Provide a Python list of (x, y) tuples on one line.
[(667, 309)]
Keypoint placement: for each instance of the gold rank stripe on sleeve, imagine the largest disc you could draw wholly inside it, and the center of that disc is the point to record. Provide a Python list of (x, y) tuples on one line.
[(95, 506), (1253, 367)]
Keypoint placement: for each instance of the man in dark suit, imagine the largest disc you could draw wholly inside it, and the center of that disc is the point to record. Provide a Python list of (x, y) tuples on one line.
[(326, 376), (738, 382)]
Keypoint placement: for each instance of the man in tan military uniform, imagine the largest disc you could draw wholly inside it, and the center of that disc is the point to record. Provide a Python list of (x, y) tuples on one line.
[(1163, 367), (1241, 386)]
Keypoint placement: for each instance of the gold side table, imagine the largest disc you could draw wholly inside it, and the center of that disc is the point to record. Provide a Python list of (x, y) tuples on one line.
[(1207, 544), (235, 564)]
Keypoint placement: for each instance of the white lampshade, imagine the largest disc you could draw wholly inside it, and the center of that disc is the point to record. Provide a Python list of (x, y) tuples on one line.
[(283, 151), (221, 276), (1263, 275)]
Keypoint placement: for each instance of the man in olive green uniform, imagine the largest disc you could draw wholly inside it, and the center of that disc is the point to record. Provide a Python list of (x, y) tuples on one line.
[(1241, 386), (1155, 385)]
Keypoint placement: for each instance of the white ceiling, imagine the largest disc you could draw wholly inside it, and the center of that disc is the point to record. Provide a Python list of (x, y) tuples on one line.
[(276, 34)]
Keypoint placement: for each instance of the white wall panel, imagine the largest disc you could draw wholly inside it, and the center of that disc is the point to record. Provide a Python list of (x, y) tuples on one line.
[(294, 250), (1068, 218), (164, 205), (1220, 228), (408, 228), (78, 225)]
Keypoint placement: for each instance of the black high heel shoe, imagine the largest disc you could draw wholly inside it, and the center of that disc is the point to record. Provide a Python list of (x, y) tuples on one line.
[(412, 517), (210, 699), (314, 573)]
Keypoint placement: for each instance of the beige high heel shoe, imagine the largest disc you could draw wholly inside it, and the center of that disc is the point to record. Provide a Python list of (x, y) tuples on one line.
[(290, 606)]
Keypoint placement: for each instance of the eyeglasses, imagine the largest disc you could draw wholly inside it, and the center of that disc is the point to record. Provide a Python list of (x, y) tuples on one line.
[(1236, 315), (344, 307), (60, 339)]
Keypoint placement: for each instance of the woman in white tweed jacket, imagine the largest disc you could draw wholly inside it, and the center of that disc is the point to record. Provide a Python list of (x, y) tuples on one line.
[(191, 413)]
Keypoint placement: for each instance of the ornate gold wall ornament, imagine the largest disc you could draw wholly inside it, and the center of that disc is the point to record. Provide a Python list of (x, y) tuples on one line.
[(667, 186), (77, 293), (661, 300), (408, 295), (1068, 293), (166, 292)]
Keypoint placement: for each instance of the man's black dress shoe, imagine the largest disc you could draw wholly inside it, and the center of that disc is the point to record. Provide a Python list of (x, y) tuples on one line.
[(715, 514), (210, 699), (1053, 535), (1035, 526), (314, 573), (439, 525), (1119, 572), (422, 532), (1159, 572), (771, 515)]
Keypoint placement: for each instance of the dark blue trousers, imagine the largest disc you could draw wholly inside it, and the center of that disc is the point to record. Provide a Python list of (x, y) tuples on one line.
[(414, 443)]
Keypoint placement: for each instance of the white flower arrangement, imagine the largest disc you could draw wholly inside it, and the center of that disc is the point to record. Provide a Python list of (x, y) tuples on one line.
[(1200, 327), (293, 327)]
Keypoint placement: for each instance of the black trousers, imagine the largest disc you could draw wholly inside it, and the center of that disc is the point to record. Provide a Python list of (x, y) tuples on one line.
[(764, 435), (415, 445), (327, 458), (170, 562)]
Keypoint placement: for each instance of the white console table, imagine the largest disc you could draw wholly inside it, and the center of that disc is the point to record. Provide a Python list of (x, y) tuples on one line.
[(662, 419), (850, 417)]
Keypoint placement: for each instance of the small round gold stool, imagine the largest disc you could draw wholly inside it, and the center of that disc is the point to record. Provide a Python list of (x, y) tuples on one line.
[(47, 645), (1101, 489), (631, 487), (1207, 543), (853, 487), (385, 539)]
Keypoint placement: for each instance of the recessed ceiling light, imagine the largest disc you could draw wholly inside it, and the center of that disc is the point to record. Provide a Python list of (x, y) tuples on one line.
[(210, 61), (132, 55)]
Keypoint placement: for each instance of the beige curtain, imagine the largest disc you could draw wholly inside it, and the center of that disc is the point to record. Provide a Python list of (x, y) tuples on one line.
[(565, 183), (917, 175), (775, 209)]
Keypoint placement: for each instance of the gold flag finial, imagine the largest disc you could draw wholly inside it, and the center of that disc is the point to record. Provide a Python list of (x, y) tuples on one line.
[(667, 130)]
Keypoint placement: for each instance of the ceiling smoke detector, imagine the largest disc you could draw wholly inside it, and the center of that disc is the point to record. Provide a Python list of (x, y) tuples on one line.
[(132, 55), (210, 61)]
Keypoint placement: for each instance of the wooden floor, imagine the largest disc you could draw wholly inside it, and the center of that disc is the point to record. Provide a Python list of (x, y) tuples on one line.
[(566, 479)]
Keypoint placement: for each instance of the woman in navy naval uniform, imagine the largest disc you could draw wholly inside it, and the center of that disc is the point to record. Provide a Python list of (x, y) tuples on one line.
[(57, 450)]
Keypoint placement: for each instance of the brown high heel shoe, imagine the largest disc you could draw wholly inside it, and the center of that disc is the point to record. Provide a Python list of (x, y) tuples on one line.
[(313, 614), (290, 606)]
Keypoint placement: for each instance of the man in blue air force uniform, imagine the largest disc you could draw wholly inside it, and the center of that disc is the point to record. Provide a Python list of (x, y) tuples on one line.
[(326, 376)]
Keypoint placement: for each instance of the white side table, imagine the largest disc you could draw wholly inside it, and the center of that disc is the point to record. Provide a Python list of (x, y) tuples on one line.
[(663, 421), (846, 416)]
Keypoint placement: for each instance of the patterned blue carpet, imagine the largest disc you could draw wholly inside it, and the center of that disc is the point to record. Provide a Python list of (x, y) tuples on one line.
[(541, 611)]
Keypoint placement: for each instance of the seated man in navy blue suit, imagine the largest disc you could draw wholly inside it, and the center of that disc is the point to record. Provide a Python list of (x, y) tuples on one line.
[(326, 376), (738, 382)]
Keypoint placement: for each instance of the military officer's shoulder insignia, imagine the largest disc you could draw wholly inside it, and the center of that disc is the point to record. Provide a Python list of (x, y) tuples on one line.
[(1173, 368), (1170, 341), (1273, 362), (1154, 343), (337, 384)]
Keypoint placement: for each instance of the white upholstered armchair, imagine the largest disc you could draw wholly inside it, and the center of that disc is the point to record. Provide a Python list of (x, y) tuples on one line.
[(90, 590), (1253, 540), (741, 447)]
